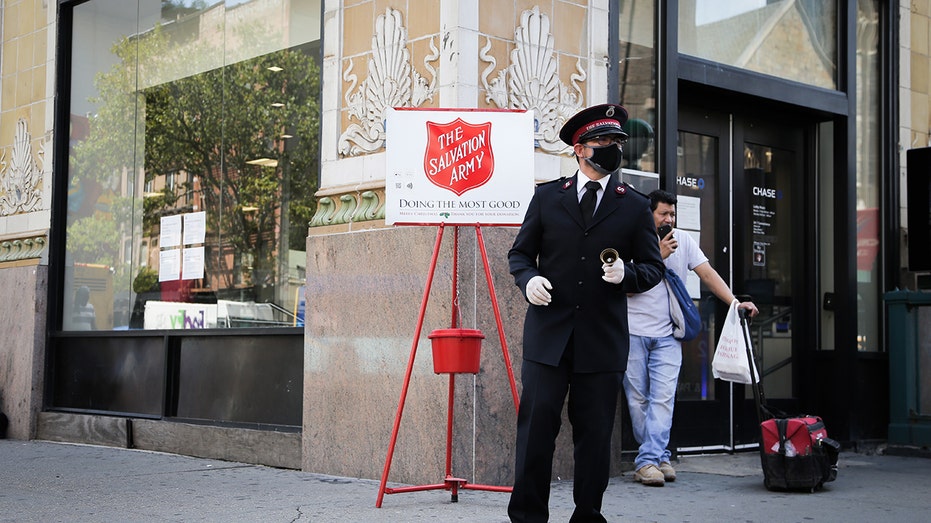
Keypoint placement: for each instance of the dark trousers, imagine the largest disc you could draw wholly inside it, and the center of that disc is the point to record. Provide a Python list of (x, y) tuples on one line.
[(592, 404)]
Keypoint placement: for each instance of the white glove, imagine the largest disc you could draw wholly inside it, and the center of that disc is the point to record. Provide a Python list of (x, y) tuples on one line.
[(614, 271), (537, 291)]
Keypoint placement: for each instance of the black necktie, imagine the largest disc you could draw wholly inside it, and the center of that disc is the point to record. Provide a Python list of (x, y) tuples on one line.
[(588, 201)]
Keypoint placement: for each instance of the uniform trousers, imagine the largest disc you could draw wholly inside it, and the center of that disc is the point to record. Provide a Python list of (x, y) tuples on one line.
[(591, 408)]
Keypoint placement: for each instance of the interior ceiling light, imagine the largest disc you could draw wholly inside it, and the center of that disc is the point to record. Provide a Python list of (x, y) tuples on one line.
[(249, 208), (277, 104), (264, 162), (287, 136), (275, 69)]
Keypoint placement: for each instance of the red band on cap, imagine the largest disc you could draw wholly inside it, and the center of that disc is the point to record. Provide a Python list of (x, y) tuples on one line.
[(594, 125)]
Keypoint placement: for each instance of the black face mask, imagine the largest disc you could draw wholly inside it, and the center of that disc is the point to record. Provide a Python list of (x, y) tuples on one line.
[(605, 159)]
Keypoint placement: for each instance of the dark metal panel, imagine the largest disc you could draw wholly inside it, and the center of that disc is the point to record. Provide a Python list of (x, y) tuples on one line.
[(124, 376), (241, 379), (60, 153), (614, 51), (918, 200), (667, 90), (889, 95), (840, 391), (763, 86)]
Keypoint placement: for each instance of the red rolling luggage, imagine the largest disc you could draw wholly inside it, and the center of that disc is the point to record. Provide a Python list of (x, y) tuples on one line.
[(795, 451)]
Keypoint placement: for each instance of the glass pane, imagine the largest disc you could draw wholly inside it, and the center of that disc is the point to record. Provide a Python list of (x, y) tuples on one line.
[(792, 39), (869, 284), (103, 167), (826, 263), (698, 160), (637, 85), (768, 277), (193, 175)]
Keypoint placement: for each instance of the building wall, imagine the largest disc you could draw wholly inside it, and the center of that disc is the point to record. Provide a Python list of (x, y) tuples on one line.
[(22, 357), (914, 93), (26, 120), (493, 57), (366, 286)]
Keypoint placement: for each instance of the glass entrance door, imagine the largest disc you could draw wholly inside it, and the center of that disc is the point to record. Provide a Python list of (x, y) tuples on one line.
[(737, 183)]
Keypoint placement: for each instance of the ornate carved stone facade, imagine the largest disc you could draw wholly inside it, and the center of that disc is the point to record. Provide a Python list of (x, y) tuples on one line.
[(21, 192), (339, 207), (536, 73), (391, 82), (20, 176), (26, 248), (531, 80), (27, 74)]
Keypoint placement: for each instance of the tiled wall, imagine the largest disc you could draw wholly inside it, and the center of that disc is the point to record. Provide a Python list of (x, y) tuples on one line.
[(915, 81), (27, 79), (25, 66), (569, 27)]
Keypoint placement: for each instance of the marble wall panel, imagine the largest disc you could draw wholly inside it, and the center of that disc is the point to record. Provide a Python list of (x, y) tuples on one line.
[(22, 354), (364, 292)]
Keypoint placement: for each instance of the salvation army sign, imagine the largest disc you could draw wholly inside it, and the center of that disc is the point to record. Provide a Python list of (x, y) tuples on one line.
[(459, 155), (458, 166)]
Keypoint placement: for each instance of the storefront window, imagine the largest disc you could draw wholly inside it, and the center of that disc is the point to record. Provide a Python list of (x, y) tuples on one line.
[(792, 39), (637, 90), (869, 284), (193, 163), (699, 160)]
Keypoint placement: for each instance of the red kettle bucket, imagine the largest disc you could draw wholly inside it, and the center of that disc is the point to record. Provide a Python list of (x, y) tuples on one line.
[(456, 350)]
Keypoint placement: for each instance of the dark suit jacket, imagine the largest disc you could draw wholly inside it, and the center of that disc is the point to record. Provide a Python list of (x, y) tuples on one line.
[(554, 243)]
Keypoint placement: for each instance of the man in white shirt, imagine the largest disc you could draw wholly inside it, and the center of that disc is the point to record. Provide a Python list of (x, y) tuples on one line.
[(655, 356)]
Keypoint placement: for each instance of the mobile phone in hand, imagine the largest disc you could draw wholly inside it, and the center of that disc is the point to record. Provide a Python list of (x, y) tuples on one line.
[(663, 230)]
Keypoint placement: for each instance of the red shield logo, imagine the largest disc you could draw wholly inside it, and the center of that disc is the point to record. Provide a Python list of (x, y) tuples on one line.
[(458, 155)]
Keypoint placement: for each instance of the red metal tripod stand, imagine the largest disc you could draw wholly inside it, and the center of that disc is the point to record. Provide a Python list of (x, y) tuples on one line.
[(451, 483)]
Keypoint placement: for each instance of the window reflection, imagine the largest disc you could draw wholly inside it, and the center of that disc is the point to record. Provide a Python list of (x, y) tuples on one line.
[(194, 160), (793, 39), (869, 283), (637, 88), (699, 160)]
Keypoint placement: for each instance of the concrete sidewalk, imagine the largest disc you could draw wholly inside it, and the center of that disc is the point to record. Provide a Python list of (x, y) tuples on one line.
[(49, 482)]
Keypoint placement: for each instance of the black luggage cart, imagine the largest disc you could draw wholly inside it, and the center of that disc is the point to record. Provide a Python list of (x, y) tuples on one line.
[(795, 451)]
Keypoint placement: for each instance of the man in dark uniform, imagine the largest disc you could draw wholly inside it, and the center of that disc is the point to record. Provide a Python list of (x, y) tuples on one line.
[(575, 332)]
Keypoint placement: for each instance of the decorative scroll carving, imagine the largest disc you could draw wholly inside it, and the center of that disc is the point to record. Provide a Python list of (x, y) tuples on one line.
[(347, 204), (22, 248), (391, 82), (371, 207), (531, 81), (351, 207), (20, 182), (326, 208)]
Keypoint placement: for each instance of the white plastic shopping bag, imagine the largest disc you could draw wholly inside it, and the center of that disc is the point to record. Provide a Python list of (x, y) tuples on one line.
[(730, 361)]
